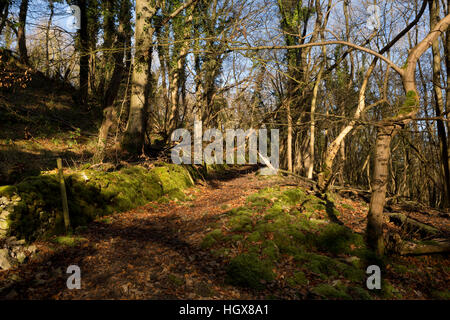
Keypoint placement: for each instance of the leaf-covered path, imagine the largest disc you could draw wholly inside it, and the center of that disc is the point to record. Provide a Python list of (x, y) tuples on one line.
[(155, 252), (152, 252)]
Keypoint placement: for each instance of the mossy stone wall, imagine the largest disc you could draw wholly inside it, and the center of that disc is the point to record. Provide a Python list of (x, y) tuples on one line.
[(32, 208)]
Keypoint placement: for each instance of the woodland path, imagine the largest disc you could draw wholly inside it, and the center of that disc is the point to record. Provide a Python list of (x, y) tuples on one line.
[(151, 252), (154, 251)]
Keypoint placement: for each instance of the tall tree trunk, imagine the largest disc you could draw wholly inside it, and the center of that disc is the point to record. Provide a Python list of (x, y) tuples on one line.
[(21, 37), (385, 134), (313, 122), (378, 186), (4, 11), (134, 135), (109, 112), (83, 52), (289, 134), (439, 104), (47, 38), (177, 76)]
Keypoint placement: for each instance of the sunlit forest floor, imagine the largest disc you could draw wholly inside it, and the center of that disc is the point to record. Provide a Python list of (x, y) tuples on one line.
[(182, 250), (235, 236), (40, 123)]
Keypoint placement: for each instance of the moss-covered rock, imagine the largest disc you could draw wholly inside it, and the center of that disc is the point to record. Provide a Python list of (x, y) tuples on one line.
[(337, 239), (248, 270), (90, 194), (329, 292), (278, 226)]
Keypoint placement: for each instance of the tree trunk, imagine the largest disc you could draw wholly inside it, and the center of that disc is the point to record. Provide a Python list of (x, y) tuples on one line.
[(439, 104), (375, 219), (21, 37), (83, 52), (134, 135), (289, 135), (109, 114), (385, 134), (177, 76), (47, 38), (4, 11)]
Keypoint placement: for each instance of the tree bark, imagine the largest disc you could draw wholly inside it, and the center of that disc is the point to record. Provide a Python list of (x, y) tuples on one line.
[(134, 135), (386, 132), (379, 185), (83, 52), (4, 11), (109, 112), (289, 134), (47, 38), (21, 37), (439, 104)]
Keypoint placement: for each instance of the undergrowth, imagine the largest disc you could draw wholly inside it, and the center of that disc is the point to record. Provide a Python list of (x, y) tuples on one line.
[(287, 236)]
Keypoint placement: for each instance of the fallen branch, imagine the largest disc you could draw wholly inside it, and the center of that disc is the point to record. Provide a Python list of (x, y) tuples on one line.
[(429, 247), (413, 225)]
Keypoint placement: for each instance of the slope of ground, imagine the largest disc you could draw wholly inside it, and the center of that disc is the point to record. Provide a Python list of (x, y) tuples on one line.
[(163, 250), (40, 122)]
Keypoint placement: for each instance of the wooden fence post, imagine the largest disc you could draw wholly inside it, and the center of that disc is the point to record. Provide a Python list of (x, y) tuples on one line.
[(63, 195)]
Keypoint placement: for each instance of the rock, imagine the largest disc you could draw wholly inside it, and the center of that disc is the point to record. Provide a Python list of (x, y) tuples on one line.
[(31, 249), (5, 260), (4, 215), (3, 224), (3, 200), (125, 288), (20, 242), (11, 240), (352, 259), (21, 256)]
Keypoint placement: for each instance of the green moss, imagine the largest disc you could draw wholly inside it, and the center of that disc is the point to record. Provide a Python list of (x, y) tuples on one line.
[(443, 295), (330, 292), (401, 269), (177, 281), (293, 196), (241, 223), (337, 239), (254, 236), (323, 266), (173, 177), (7, 190), (249, 270), (270, 250), (358, 293), (388, 291), (347, 206), (272, 227), (211, 238), (69, 241), (409, 104), (236, 238), (90, 194), (298, 278), (176, 194)]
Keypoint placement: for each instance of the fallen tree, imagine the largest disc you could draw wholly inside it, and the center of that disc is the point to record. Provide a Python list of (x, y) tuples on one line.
[(426, 247), (413, 225)]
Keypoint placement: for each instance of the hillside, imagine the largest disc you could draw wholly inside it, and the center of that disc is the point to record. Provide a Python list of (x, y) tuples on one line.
[(40, 123)]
